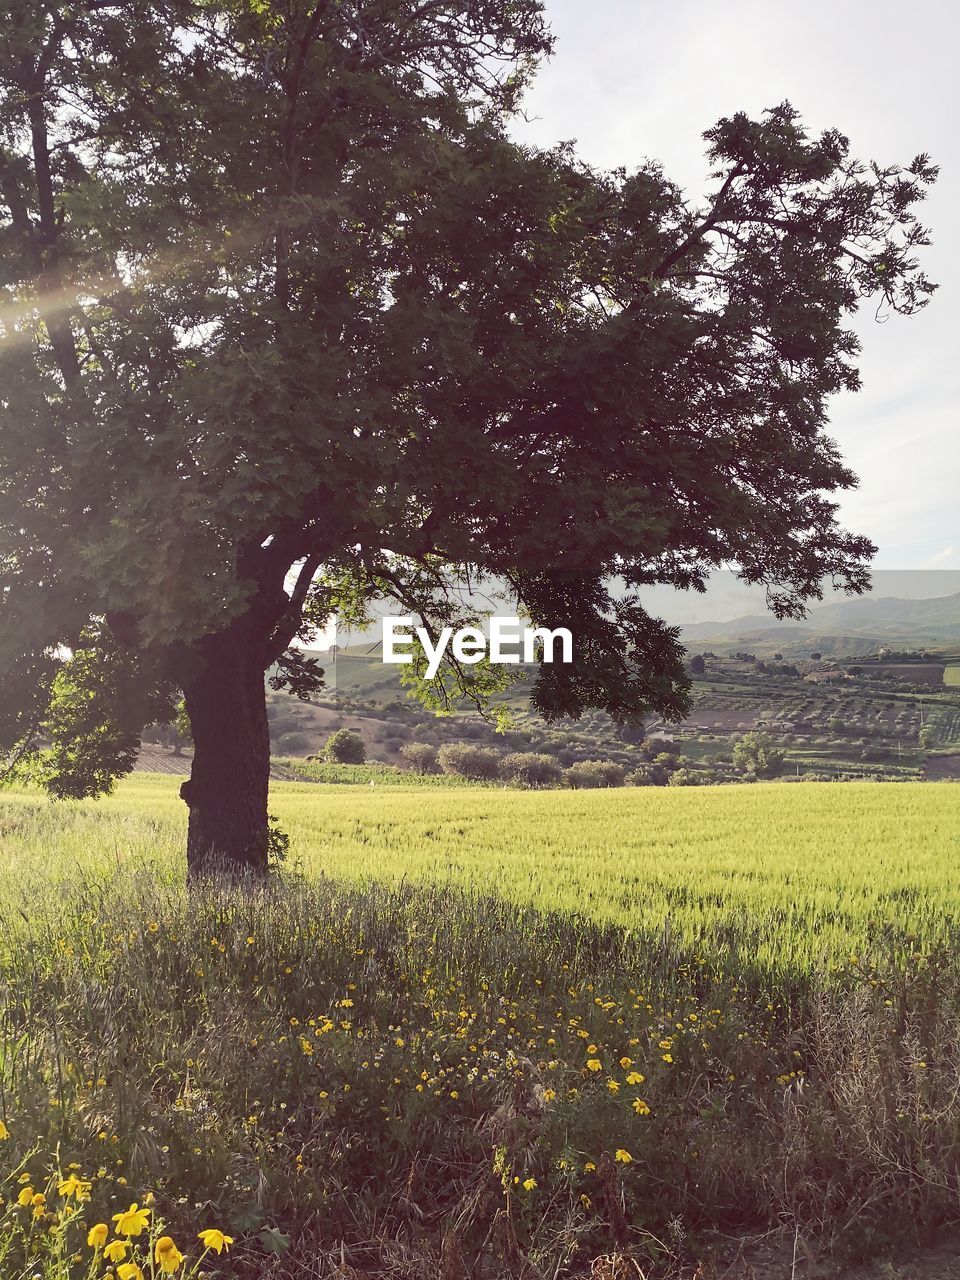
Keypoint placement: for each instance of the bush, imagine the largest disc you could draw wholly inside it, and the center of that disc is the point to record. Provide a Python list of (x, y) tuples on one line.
[(648, 775), (480, 764), (594, 773), (345, 747), (686, 778), (294, 743), (755, 753), (421, 757), (530, 769)]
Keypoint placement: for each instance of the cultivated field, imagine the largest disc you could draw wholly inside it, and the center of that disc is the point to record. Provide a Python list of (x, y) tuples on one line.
[(493, 1030)]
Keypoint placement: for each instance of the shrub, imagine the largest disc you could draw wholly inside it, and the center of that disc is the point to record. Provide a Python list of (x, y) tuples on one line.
[(594, 773), (648, 775), (755, 753), (481, 764), (420, 756), (294, 743), (345, 747), (530, 769), (686, 778)]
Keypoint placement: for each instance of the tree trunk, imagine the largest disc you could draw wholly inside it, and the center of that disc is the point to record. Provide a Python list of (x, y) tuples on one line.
[(227, 789)]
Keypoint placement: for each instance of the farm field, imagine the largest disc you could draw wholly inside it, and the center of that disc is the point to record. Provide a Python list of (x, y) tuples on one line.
[(462, 1016), (789, 873)]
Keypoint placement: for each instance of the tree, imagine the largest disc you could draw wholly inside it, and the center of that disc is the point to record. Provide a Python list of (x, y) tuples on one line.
[(420, 756), (291, 325), (697, 665), (345, 747), (530, 769), (756, 753), (479, 764)]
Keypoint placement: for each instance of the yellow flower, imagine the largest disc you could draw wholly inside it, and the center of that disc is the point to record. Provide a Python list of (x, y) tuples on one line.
[(129, 1271), (640, 1107), (216, 1240), (4, 1132), (549, 1095), (622, 1156), (74, 1186), (168, 1255), (529, 1184), (25, 1197), (635, 1078), (115, 1251), (97, 1236), (132, 1222), (667, 1057), (626, 1062), (594, 1064)]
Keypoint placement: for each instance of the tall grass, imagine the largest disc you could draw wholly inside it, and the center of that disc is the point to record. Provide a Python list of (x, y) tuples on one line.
[(405, 1059)]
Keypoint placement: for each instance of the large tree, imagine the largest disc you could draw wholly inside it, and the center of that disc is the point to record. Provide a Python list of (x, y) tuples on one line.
[(289, 322)]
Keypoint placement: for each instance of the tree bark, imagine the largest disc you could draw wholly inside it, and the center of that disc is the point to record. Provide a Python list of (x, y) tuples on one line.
[(226, 793)]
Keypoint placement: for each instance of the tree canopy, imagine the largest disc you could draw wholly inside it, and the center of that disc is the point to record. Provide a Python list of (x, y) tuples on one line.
[(290, 322)]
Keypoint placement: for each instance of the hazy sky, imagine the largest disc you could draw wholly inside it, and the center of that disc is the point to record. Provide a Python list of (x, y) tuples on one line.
[(633, 78)]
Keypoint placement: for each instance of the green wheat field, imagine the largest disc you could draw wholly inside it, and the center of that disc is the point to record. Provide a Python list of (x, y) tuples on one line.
[(527, 1027)]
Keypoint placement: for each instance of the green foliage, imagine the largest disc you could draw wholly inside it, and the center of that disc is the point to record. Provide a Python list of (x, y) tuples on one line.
[(756, 753), (594, 773), (530, 769), (345, 747), (99, 701), (478, 764), (420, 756)]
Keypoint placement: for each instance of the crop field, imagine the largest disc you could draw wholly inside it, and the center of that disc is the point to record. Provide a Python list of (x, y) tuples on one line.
[(951, 674), (789, 873), (464, 1017)]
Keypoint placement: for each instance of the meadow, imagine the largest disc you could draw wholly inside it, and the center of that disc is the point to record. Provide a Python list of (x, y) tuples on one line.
[(481, 1032)]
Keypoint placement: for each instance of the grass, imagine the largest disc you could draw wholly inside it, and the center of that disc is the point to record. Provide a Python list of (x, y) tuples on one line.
[(530, 1028)]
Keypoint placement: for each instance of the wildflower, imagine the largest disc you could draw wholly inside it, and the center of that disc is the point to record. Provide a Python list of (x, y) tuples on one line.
[(529, 1184), (129, 1271), (132, 1222), (4, 1132), (594, 1064), (168, 1255), (549, 1095), (25, 1197), (667, 1057), (635, 1078), (626, 1062), (116, 1251), (622, 1156), (74, 1186), (97, 1236), (641, 1107), (215, 1240)]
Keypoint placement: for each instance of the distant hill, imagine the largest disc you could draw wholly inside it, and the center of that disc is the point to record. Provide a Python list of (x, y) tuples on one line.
[(854, 625)]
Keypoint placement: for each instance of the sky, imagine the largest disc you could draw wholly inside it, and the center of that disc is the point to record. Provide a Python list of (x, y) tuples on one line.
[(634, 79)]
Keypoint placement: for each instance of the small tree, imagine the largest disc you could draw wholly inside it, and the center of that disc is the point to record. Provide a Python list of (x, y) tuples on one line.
[(697, 665), (756, 753), (479, 764), (648, 775), (420, 756), (594, 773), (530, 769), (346, 747)]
